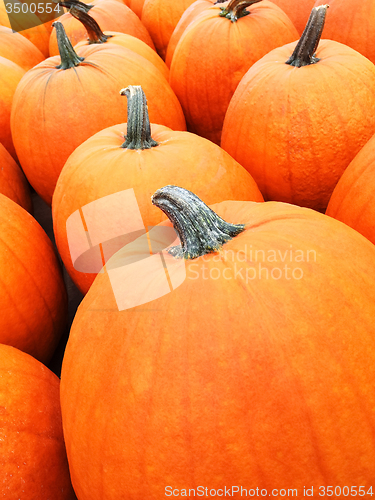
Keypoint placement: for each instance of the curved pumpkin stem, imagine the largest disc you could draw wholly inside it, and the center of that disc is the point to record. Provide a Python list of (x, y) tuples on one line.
[(69, 58), (94, 32), (138, 128), (200, 229), (236, 9), (68, 4), (304, 53)]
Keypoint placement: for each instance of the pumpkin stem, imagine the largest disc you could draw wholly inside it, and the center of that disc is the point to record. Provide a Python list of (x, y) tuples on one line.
[(200, 229), (139, 130), (68, 4), (69, 58), (304, 53), (236, 9), (92, 27)]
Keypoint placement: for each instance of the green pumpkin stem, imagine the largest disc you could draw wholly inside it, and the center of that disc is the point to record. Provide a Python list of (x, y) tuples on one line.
[(304, 53), (200, 229), (138, 126), (236, 9), (92, 27), (68, 4), (69, 58)]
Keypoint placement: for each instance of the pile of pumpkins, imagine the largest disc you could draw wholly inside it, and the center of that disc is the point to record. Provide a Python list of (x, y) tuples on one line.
[(210, 172)]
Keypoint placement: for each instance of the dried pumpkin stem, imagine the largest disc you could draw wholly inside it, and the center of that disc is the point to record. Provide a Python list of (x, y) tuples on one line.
[(138, 128), (200, 229), (304, 53), (92, 27), (236, 9), (69, 58), (68, 4)]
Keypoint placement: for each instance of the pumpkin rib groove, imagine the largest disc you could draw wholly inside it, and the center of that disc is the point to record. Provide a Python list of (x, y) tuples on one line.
[(31, 278)]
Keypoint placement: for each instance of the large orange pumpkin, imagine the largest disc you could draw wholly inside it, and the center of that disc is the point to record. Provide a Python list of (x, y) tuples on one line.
[(13, 182), (95, 35), (10, 76), (33, 305), (125, 157), (352, 200), (297, 118), (214, 53), (19, 49), (110, 15), (160, 18), (33, 457), (63, 101), (352, 23), (256, 371), (136, 6)]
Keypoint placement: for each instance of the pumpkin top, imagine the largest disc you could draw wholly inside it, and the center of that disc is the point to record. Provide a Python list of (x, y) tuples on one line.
[(236, 9), (94, 32), (200, 229)]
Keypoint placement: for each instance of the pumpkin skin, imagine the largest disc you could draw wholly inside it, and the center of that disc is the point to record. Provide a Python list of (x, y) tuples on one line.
[(33, 307), (226, 51), (111, 16), (33, 457), (298, 12), (352, 199), (137, 6), (187, 17), (19, 49), (160, 18), (214, 381), (64, 104), (13, 183), (100, 167), (352, 24), (38, 35), (10, 76), (295, 149)]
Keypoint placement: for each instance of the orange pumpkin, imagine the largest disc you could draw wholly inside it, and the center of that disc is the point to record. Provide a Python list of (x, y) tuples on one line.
[(95, 35), (10, 76), (38, 34), (238, 375), (33, 457), (127, 156), (136, 6), (19, 49), (229, 39), (13, 182), (187, 17), (352, 199), (298, 12), (33, 306), (56, 107), (109, 14), (160, 18), (352, 23), (297, 119)]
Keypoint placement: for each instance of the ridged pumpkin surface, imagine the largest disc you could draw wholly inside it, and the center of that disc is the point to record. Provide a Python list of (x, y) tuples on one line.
[(33, 305), (19, 49), (298, 12), (266, 384), (352, 23), (352, 200), (33, 458)]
